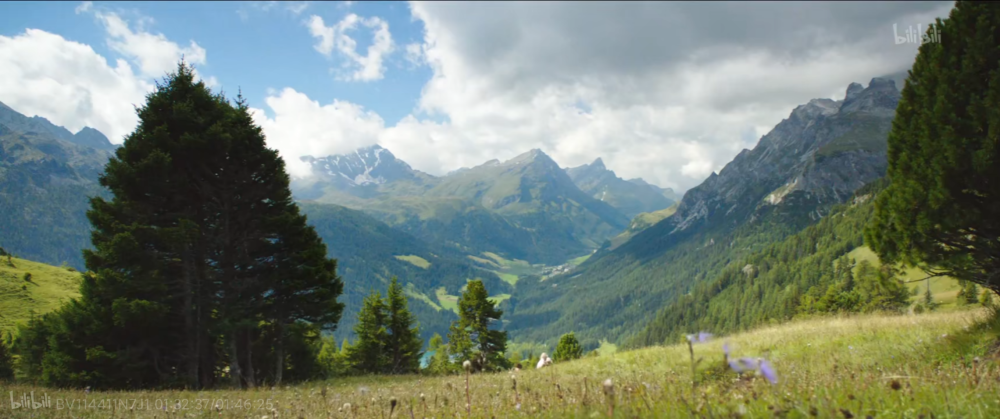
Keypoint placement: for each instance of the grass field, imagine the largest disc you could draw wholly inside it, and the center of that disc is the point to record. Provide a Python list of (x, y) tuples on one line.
[(944, 289), (48, 289), (415, 260), (940, 365)]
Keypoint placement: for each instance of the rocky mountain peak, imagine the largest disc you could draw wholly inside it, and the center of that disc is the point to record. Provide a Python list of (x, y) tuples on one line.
[(853, 90), (881, 97), (367, 165)]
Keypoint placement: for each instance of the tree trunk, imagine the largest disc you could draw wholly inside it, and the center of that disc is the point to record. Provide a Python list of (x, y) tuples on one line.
[(191, 350), (234, 361), (251, 381), (279, 353)]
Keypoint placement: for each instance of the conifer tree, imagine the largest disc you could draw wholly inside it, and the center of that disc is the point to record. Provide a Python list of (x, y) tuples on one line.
[(471, 336), (929, 302), (439, 362), (404, 337), (200, 249), (939, 211), (568, 348), (368, 355)]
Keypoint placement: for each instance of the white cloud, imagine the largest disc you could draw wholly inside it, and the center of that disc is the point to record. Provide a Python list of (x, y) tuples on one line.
[(297, 7), (669, 92), (154, 54), (414, 54), (366, 67), (69, 84), (84, 7), (303, 127)]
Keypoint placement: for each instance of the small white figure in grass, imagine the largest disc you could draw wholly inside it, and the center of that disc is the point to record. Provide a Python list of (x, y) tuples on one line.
[(544, 361)]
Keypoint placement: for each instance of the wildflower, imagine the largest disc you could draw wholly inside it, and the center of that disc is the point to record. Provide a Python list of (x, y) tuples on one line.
[(743, 364), (768, 371), (701, 337)]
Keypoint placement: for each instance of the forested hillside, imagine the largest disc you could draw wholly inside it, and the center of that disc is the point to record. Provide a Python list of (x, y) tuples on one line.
[(45, 186), (369, 253), (774, 283), (811, 161)]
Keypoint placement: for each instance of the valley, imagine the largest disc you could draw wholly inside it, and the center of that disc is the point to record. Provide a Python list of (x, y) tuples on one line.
[(554, 246)]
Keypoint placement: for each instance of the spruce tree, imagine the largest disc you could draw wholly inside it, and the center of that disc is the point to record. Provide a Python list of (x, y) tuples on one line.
[(404, 342), (472, 337), (568, 348), (439, 362), (198, 252), (929, 302), (939, 212), (368, 355)]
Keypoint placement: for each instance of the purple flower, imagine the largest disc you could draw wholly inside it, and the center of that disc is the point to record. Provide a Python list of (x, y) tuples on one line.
[(743, 364), (768, 370), (701, 337)]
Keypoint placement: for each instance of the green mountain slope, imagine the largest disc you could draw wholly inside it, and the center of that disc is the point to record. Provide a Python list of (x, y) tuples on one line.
[(47, 290), (526, 208), (631, 197), (768, 284), (45, 185), (761, 197), (369, 253)]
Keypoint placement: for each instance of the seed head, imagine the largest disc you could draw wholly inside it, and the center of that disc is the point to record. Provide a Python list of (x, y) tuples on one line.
[(895, 385), (392, 403), (609, 387), (701, 337), (467, 365)]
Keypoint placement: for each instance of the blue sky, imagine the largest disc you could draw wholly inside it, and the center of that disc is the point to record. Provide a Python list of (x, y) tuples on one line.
[(253, 46), (665, 91)]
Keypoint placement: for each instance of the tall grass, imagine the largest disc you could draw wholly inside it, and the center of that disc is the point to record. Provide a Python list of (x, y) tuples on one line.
[(933, 365)]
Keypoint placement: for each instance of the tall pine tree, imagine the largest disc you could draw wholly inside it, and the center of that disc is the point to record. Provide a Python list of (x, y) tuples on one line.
[(471, 336), (200, 247), (939, 212), (368, 354), (404, 342)]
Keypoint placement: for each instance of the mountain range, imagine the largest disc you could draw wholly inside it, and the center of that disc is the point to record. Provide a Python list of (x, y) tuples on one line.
[(562, 249), (526, 208), (811, 161)]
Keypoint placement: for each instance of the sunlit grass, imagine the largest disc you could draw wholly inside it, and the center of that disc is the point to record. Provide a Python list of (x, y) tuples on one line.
[(50, 287), (883, 366), (415, 261)]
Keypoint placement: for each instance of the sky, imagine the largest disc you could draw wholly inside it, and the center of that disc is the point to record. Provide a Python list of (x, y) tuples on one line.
[(665, 91)]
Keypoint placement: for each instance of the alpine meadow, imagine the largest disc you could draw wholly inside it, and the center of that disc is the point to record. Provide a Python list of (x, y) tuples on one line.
[(456, 209)]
